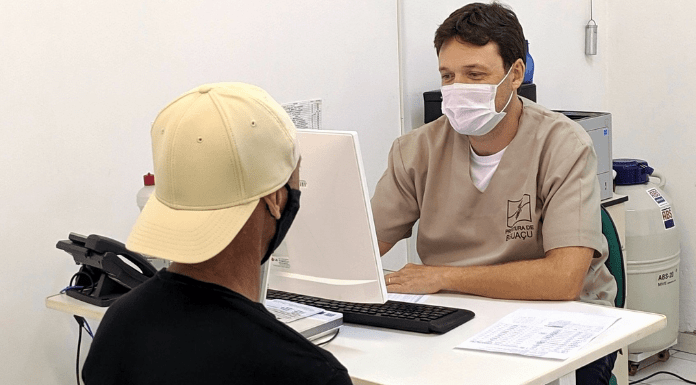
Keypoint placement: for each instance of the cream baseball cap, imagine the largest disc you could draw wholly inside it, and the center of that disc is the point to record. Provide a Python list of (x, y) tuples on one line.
[(217, 150)]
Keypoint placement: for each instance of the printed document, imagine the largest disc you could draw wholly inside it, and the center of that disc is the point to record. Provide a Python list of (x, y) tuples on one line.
[(540, 333), (286, 311)]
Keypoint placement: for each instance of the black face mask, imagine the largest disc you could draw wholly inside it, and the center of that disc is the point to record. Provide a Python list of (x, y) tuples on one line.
[(283, 224)]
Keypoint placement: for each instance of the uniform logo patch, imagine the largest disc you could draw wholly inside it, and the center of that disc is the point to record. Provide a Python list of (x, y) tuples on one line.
[(519, 219), (519, 211)]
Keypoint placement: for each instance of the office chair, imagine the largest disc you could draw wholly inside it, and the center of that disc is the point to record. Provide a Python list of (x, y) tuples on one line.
[(615, 263)]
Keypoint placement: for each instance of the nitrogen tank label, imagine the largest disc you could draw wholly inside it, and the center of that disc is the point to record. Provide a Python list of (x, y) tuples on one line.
[(657, 197), (667, 217), (668, 278)]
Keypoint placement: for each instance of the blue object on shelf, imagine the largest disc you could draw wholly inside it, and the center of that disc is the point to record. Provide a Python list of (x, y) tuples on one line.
[(529, 70)]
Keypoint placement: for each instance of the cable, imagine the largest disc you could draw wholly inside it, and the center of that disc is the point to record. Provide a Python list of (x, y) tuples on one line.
[(71, 287), (91, 280), (591, 9), (77, 360), (82, 322), (330, 339), (74, 286), (661, 372)]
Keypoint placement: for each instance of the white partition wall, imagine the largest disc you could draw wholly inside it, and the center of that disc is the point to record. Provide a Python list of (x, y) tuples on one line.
[(650, 92), (81, 82)]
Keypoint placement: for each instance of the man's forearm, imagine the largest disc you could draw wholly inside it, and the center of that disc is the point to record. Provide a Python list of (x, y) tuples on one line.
[(557, 276), (527, 280)]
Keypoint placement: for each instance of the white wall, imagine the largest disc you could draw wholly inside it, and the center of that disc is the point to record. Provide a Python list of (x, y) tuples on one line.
[(80, 84), (650, 92)]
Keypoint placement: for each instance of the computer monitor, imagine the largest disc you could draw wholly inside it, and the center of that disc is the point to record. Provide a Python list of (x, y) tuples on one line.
[(331, 249)]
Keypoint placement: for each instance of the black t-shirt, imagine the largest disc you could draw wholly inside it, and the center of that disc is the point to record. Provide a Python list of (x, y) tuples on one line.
[(173, 329)]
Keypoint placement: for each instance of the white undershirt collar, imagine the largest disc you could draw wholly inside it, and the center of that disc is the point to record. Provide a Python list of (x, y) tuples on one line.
[(483, 167)]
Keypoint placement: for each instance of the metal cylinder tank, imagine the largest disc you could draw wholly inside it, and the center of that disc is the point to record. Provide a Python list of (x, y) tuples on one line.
[(652, 251)]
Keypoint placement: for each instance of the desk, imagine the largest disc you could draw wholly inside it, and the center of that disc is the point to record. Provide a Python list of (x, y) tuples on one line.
[(374, 355), (382, 356), (71, 305)]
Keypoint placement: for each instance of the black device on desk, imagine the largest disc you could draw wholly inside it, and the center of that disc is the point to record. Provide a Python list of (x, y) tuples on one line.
[(103, 276)]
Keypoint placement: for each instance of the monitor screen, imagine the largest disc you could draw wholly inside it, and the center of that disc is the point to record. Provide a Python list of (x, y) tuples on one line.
[(331, 249)]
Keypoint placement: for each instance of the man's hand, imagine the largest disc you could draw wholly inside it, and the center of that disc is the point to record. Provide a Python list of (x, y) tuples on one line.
[(416, 279), (557, 276)]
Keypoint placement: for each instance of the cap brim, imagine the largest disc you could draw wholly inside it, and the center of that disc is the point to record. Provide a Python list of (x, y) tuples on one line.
[(186, 236)]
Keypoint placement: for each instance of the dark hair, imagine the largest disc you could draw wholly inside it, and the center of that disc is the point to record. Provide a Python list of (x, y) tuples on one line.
[(479, 23)]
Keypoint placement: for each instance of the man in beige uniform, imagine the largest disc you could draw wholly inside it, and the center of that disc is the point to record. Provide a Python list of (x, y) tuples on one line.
[(506, 191)]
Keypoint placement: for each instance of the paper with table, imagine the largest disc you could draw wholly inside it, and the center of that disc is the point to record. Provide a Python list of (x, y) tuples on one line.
[(540, 333), (286, 311), (311, 322)]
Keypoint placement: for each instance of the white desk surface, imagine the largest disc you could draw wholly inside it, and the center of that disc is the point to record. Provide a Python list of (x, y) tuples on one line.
[(382, 356), (375, 355)]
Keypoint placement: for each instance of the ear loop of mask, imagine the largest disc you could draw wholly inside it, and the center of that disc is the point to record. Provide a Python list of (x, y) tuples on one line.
[(511, 90)]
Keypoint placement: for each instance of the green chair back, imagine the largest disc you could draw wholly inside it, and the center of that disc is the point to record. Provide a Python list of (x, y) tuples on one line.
[(615, 262)]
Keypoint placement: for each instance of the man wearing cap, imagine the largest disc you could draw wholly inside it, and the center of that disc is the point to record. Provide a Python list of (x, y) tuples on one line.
[(227, 167), (505, 191)]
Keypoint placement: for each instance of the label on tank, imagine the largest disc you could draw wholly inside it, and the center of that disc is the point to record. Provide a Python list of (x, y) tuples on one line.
[(667, 217), (668, 278), (657, 197)]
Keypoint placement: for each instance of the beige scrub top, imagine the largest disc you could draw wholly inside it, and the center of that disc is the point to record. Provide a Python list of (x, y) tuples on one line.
[(544, 195)]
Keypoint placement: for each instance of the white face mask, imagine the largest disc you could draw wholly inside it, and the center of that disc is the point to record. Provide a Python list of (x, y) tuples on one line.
[(470, 108)]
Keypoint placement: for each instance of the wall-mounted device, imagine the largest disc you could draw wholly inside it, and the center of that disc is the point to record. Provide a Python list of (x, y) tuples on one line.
[(591, 34), (598, 125)]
